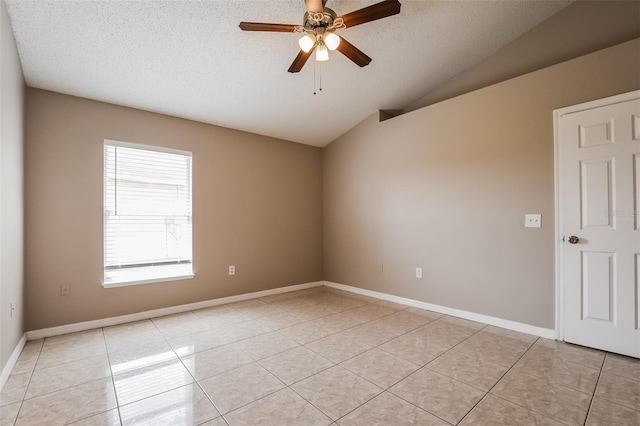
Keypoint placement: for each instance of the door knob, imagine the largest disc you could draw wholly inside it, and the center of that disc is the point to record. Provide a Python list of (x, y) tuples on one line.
[(573, 239)]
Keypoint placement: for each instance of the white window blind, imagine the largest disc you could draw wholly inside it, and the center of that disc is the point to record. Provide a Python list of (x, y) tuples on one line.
[(147, 213)]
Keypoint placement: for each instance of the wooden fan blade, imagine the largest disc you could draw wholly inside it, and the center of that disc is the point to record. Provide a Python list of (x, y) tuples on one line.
[(259, 26), (353, 53), (314, 6), (371, 13), (300, 60)]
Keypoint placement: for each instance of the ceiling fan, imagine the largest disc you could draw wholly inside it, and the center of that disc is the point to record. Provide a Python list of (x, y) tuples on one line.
[(320, 25)]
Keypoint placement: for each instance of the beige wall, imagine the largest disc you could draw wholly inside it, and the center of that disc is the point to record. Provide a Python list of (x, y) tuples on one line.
[(11, 191), (257, 204), (446, 188)]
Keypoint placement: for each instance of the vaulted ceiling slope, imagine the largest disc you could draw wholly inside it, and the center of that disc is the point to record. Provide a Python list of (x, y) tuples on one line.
[(189, 59), (584, 27)]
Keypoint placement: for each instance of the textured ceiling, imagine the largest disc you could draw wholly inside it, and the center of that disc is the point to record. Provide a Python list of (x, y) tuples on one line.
[(189, 58)]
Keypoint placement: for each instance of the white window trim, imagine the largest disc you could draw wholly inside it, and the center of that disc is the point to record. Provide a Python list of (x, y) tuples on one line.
[(125, 283), (166, 278), (147, 147)]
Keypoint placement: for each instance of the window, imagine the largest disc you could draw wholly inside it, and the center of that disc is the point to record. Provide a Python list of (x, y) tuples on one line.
[(147, 214)]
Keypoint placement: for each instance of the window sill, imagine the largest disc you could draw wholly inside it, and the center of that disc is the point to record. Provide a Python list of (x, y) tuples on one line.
[(137, 276)]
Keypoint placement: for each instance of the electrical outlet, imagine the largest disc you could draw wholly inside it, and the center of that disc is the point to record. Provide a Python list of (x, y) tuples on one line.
[(11, 309), (381, 268), (532, 220), (418, 272), (65, 289), (232, 269)]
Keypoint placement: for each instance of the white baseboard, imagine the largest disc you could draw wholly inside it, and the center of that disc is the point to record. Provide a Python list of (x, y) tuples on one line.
[(6, 371), (106, 322), (485, 319)]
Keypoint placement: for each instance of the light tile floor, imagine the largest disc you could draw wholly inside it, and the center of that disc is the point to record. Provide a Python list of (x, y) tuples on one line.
[(316, 357)]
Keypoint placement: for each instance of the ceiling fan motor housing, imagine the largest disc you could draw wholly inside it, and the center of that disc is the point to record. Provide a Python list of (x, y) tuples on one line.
[(315, 20)]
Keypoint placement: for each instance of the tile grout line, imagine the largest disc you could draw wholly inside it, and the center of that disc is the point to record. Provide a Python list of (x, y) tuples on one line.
[(113, 382), (318, 408), (318, 372), (230, 343), (387, 389), (279, 331), (188, 371), (271, 329), (287, 386), (150, 396), (531, 345), (294, 391), (63, 389), (530, 374), (254, 361), (182, 362), (613, 373), (31, 373), (533, 375), (358, 325), (339, 312), (251, 402), (451, 378), (322, 302), (88, 381), (366, 303), (593, 396), (168, 390), (456, 380), (498, 381)]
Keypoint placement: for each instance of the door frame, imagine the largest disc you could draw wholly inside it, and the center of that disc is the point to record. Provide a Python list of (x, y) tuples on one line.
[(557, 116)]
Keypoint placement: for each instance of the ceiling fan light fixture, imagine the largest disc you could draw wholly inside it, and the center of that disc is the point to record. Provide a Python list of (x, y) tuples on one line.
[(318, 28), (322, 53), (331, 40), (306, 42)]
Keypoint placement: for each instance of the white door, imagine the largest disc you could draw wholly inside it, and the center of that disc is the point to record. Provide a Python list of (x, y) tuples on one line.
[(599, 189)]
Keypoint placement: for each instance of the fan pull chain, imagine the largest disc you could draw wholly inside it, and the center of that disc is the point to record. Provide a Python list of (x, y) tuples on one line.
[(316, 65)]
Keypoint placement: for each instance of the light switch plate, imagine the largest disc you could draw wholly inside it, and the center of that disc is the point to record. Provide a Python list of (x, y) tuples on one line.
[(532, 220)]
